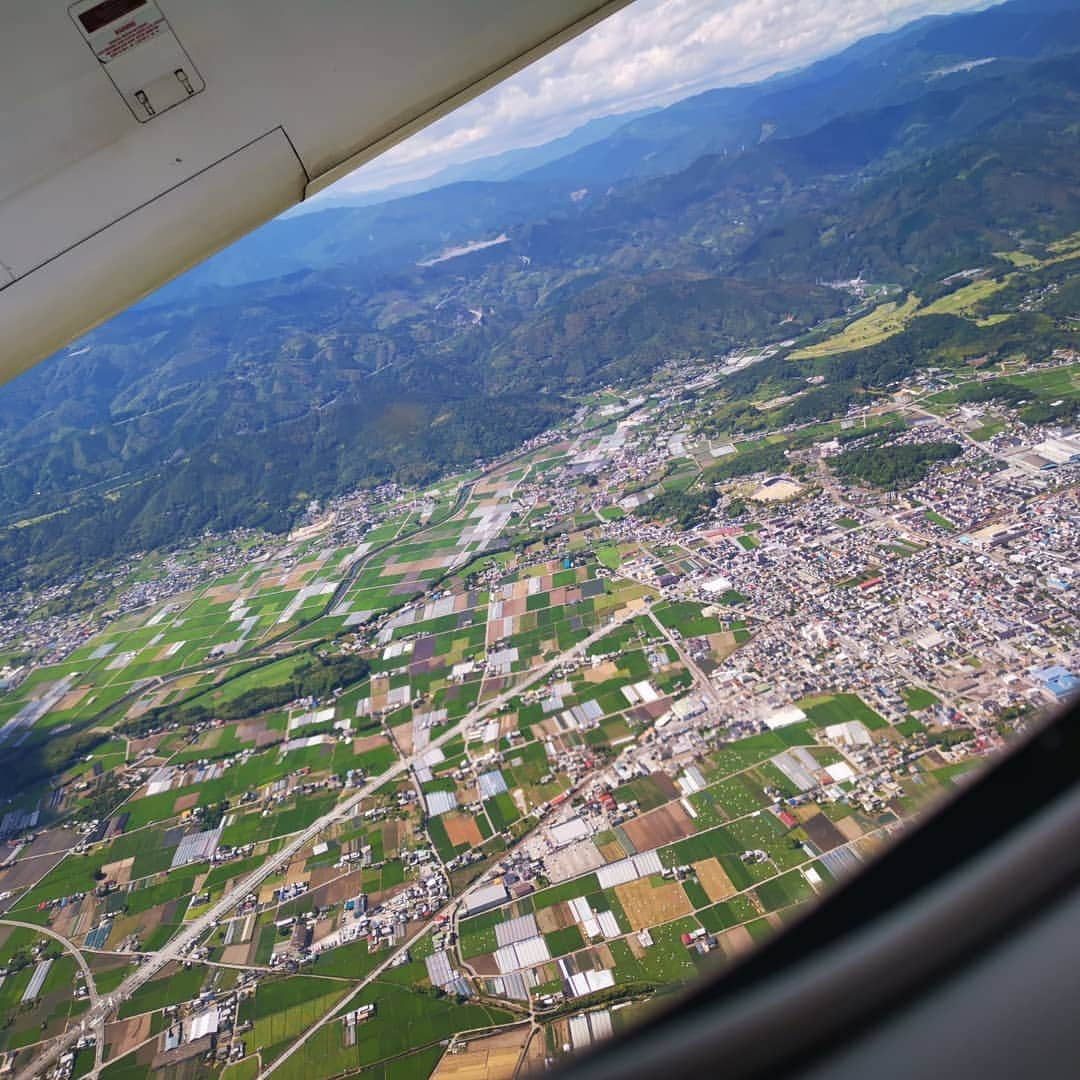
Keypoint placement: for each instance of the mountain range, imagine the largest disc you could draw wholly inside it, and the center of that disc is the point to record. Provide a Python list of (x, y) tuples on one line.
[(504, 166), (361, 343)]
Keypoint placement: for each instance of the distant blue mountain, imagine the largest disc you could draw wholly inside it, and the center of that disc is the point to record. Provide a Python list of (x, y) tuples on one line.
[(505, 166)]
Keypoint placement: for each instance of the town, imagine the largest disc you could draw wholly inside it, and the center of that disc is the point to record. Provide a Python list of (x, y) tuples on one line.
[(473, 774)]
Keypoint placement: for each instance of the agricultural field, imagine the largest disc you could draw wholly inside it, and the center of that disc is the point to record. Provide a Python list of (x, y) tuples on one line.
[(885, 320), (839, 708), (403, 1021)]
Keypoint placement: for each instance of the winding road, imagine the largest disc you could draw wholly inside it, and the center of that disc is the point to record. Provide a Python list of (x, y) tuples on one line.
[(70, 947), (91, 988)]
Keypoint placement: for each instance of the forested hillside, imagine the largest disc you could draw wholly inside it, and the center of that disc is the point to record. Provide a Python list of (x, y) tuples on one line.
[(341, 348)]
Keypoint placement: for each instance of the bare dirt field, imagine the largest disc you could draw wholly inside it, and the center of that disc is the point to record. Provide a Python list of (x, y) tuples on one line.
[(722, 645), (484, 965), (51, 842), (26, 871), (186, 802), (869, 847), (209, 739), (647, 905), (602, 672), (493, 685), (295, 873), (492, 1058), (823, 833), (462, 829), (250, 730), (714, 880), (339, 890), (533, 1062), (322, 874), (661, 826), (403, 736), (555, 917), (70, 918), (125, 1035), (603, 957), (611, 852), (72, 698), (369, 742), (297, 577), (850, 828), (236, 954), (736, 941), (394, 833), (221, 594), (137, 746), (596, 959), (419, 566), (777, 491), (380, 687), (119, 871)]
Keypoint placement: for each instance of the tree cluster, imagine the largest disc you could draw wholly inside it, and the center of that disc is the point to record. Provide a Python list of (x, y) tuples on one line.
[(892, 467)]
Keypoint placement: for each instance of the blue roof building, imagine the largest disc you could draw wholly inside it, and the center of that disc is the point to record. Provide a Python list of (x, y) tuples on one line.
[(1058, 680)]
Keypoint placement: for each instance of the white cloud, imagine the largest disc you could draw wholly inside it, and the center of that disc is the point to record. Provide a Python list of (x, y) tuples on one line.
[(651, 53)]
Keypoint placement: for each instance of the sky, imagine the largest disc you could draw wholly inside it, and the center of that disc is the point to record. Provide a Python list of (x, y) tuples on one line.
[(651, 53)]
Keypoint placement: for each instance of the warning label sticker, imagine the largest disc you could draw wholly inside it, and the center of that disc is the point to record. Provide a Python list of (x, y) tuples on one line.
[(127, 36)]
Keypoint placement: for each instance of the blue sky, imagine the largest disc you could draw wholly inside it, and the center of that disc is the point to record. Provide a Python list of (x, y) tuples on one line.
[(651, 53)]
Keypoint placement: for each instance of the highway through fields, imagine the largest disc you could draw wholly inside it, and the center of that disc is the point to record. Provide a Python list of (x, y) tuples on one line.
[(189, 937)]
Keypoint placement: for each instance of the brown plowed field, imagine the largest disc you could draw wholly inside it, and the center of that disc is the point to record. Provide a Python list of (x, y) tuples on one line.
[(368, 742), (483, 965), (555, 917), (823, 833), (663, 825), (125, 1035), (492, 1058), (462, 829), (736, 941)]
